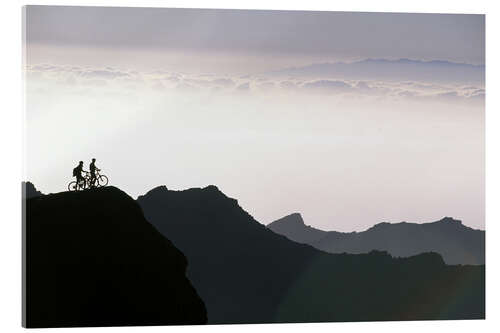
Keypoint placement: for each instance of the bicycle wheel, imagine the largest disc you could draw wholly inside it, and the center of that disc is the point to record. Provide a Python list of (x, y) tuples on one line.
[(72, 186), (102, 180)]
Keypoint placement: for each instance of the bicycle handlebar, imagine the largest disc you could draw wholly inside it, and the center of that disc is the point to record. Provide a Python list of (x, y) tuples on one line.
[(97, 170)]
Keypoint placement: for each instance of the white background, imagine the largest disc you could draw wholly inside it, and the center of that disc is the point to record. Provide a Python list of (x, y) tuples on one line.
[(11, 158)]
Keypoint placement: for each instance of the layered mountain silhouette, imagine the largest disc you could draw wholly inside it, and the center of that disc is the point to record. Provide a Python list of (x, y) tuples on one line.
[(391, 69), (246, 273), (91, 259), (455, 242)]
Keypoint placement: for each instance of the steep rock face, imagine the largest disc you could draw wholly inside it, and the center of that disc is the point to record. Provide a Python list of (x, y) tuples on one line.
[(93, 260), (246, 273)]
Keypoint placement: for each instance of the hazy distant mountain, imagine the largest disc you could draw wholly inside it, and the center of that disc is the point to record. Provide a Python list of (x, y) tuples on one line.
[(294, 228), (385, 69), (457, 243), (93, 260), (245, 273)]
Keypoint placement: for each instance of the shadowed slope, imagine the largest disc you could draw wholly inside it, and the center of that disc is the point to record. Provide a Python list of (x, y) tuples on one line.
[(455, 242), (93, 260), (246, 273)]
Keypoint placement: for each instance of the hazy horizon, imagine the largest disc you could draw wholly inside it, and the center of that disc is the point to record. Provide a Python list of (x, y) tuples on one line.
[(320, 113)]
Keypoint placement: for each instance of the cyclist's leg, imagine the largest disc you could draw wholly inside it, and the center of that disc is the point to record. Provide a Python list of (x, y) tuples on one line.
[(80, 180)]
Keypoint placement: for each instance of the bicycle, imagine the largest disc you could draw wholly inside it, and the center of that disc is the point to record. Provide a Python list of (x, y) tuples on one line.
[(99, 181), (86, 183), (80, 186)]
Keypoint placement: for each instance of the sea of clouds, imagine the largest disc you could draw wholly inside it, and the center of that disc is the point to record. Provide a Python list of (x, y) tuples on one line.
[(81, 79)]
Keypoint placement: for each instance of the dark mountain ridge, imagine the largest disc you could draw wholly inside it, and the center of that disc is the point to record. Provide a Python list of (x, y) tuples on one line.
[(29, 191), (246, 273), (455, 242), (92, 259)]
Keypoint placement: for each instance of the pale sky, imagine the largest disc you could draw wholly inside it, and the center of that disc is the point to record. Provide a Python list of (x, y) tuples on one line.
[(187, 98), (295, 33)]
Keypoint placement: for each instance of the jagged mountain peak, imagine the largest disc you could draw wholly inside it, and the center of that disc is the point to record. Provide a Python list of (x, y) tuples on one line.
[(444, 221), (163, 190), (293, 227), (294, 218), (448, 219)]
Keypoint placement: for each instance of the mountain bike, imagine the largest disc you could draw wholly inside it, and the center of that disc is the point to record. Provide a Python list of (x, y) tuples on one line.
[(82, 185), (86, 182), (100, 180)]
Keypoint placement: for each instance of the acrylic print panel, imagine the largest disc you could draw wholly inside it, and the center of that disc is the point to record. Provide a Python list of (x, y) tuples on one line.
[(202, 166)]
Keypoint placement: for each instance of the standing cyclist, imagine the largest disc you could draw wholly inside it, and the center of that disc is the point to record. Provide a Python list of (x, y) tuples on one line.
[(77, 172), (93, 169)]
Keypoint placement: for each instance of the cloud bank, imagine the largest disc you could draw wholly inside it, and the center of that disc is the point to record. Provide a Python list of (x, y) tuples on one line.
[(306, 80)]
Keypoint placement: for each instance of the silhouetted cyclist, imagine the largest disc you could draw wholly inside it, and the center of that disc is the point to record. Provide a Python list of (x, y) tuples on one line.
[(77, 172), (93, 169)]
